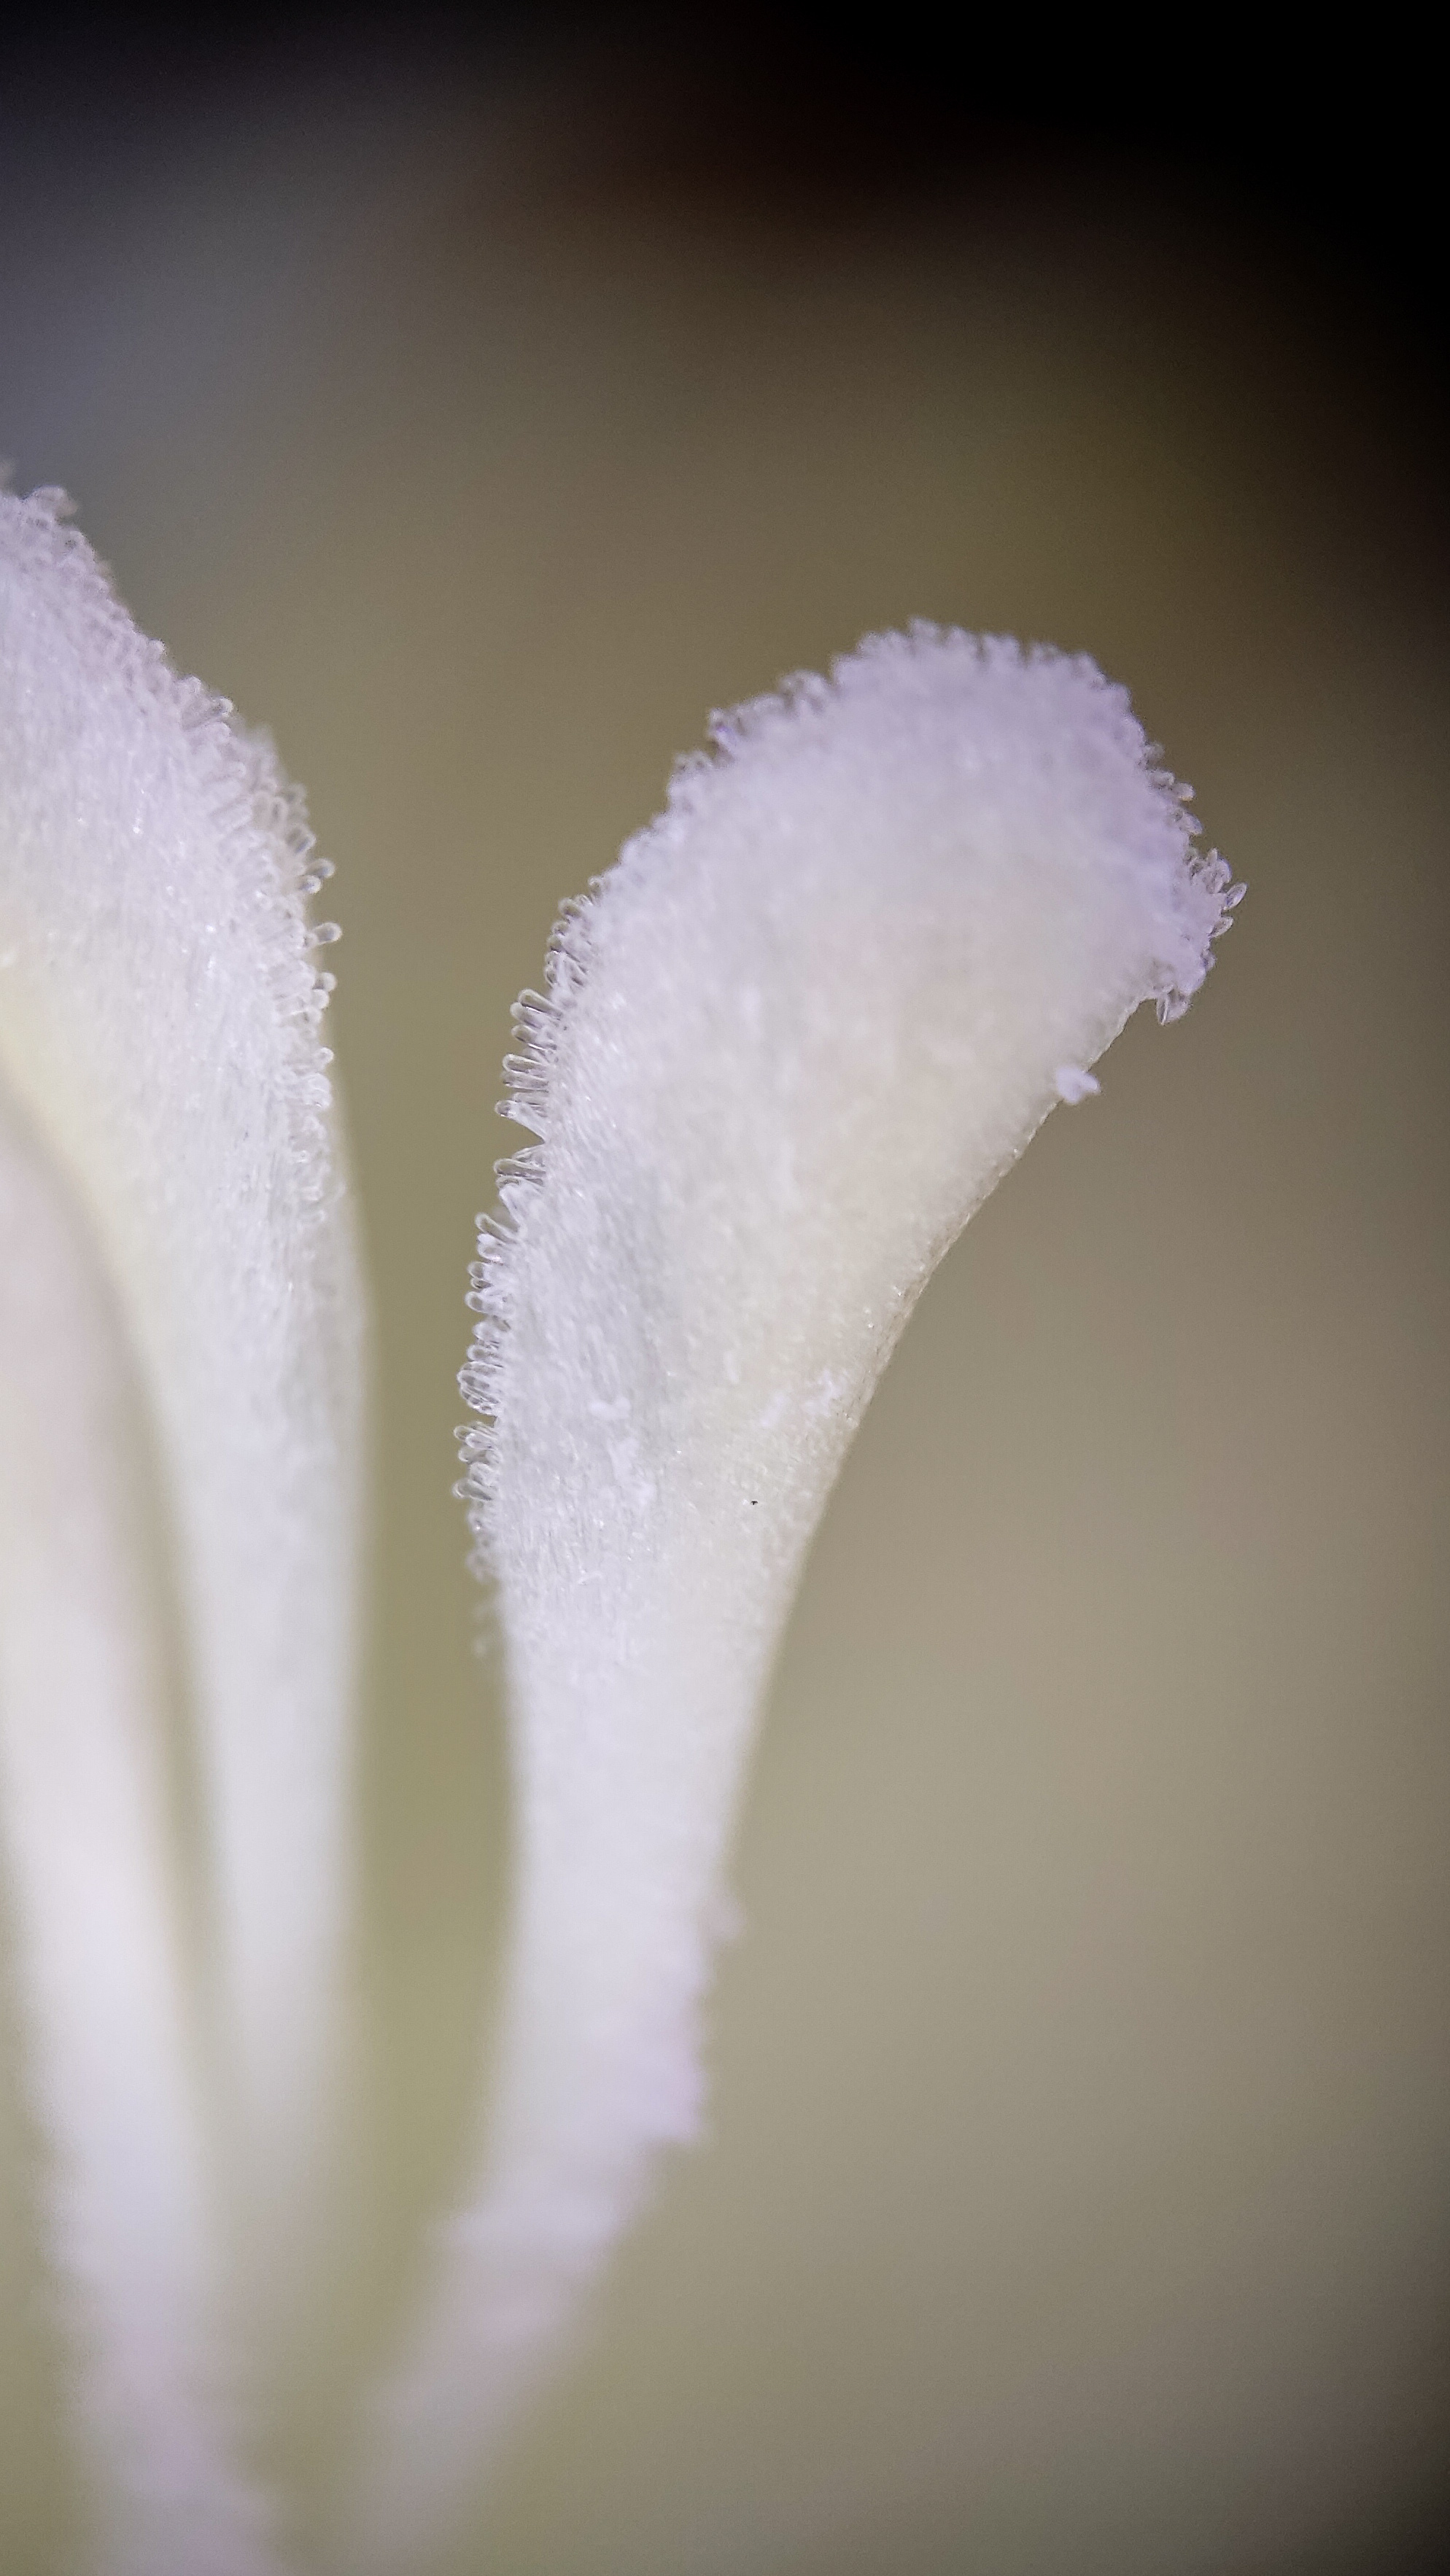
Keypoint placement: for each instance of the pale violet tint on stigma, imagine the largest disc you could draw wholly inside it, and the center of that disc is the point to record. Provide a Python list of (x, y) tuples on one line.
[(787, 1045)]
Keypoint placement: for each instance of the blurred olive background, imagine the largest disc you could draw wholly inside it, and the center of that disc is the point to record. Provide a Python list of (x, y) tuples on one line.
[(478, 414)]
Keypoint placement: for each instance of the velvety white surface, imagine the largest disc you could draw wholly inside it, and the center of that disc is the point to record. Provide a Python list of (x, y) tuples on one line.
[(788, 1045), (87, 1835), (1073, 2195), (159, 1028)]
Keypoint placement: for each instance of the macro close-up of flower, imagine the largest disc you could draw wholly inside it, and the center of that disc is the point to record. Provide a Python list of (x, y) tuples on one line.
[(721, 1846)]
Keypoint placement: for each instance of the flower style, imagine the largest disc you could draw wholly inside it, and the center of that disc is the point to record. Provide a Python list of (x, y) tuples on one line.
[(787, 1047), (183, 1320)]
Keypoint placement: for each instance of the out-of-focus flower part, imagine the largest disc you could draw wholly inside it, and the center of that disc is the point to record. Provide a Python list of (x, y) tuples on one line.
[(182, 1317)]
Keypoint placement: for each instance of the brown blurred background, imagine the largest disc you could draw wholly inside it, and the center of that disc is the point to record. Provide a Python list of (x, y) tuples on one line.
[(478, 409)]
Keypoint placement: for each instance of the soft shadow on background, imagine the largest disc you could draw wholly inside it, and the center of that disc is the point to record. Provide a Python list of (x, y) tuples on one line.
[(478, 417)]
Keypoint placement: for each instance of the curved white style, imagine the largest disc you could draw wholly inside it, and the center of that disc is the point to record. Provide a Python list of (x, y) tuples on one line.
[(788, 1045), (177, 1236)]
